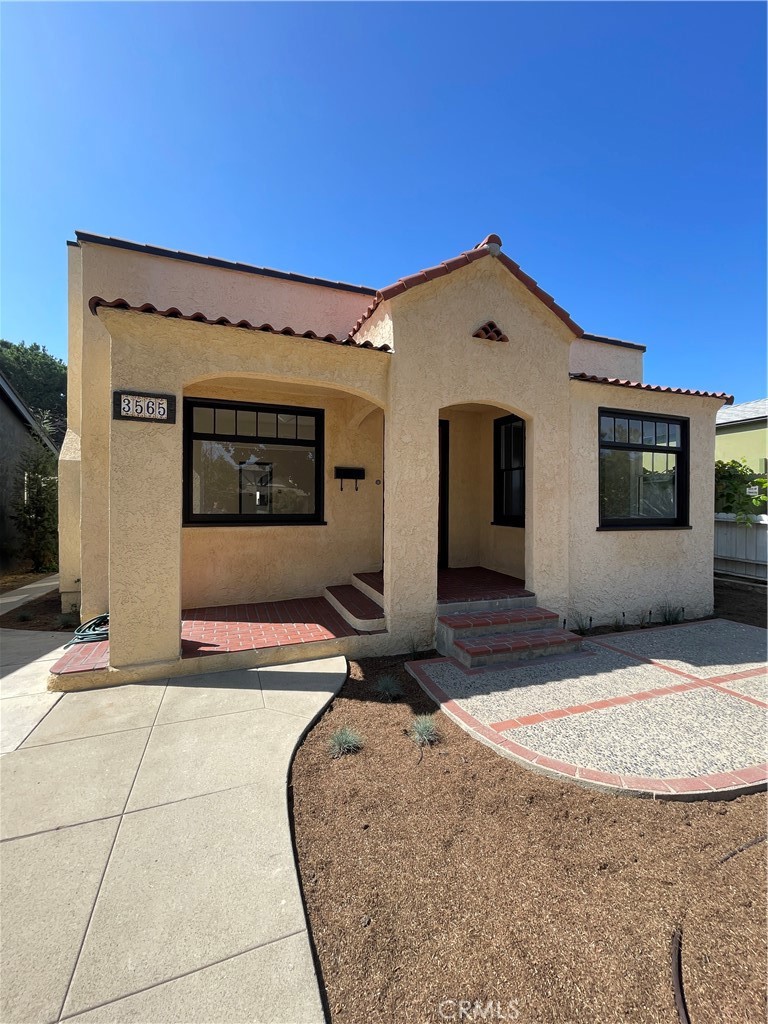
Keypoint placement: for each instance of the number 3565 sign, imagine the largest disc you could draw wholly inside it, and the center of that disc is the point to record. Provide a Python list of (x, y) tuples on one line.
[(139, 405)]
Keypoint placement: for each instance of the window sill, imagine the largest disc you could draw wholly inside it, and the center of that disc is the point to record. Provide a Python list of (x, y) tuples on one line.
[(518, 526), (644, 528), (219, 525)]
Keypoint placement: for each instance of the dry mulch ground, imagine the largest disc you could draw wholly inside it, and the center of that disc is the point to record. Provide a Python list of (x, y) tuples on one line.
[(462, 876), (10, 579), (743, 602), (42, 613)]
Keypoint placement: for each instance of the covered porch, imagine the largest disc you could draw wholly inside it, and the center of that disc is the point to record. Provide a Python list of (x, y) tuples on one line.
[(305, 624)]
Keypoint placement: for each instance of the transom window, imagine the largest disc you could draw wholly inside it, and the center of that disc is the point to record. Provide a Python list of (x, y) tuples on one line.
[(643, 470), (256, 464), (509, 471)]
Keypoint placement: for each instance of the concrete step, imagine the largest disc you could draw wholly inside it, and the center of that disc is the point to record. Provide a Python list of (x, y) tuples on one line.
[(356, 607), (463, 624), (517, 645)]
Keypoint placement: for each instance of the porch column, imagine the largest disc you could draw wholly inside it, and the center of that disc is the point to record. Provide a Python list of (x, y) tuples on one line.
[(411, 475), (145, 504)]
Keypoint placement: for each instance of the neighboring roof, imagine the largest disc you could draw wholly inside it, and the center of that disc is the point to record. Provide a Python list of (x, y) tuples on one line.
[(212, 261), (744, 412), (617, 382), (490, 246), (175, 314), (613, 341), (22, 410)]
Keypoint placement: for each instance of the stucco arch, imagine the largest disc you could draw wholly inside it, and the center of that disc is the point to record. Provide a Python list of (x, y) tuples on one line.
[(280, 381)]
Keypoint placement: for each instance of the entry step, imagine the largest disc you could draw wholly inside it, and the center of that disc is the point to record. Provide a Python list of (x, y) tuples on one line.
[(515, 645), (356, 607)]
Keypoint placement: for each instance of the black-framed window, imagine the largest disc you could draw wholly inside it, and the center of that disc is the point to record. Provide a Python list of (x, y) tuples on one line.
[(252, 464), (509, 471), (644, 468)]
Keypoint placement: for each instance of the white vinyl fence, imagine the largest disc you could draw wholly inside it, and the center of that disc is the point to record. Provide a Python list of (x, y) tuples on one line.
[(741, 550)]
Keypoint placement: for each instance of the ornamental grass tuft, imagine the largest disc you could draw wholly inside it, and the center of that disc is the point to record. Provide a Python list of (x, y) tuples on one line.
[(345, 741)]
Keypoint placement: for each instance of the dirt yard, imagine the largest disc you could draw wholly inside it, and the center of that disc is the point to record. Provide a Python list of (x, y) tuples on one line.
[(741, 602), (459, 876), (19, 576), (42, 613)]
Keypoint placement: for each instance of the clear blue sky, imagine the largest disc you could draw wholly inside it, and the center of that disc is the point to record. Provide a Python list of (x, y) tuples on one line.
[(617, 148)]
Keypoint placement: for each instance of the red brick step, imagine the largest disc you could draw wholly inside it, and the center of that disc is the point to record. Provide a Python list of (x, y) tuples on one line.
[(517, 645)]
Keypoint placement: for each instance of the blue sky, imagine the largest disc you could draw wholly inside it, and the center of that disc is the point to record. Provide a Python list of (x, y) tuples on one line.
[(617, 148)]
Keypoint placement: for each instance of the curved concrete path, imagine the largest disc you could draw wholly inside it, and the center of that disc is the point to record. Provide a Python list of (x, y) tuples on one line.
[(675, 712), (147, 862)]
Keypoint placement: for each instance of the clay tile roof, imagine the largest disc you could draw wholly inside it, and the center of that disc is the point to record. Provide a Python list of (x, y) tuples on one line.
[(490, 246), (175, 314), (617, 382), (490, 332)]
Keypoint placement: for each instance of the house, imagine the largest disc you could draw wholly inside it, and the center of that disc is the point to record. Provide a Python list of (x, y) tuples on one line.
[(742, 433), (17, 425), (262, 466)]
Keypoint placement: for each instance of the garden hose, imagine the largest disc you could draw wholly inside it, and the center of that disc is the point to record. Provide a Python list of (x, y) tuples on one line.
[(92, 631)]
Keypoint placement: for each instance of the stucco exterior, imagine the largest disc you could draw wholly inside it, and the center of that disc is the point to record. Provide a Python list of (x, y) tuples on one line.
[(126, 548), (747, 441)]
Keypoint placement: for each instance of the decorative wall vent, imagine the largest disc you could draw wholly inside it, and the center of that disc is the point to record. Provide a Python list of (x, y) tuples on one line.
[(490, 332)]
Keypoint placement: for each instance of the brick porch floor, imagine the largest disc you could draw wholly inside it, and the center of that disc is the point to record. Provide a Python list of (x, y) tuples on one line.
[(237, 627), (470, 584)]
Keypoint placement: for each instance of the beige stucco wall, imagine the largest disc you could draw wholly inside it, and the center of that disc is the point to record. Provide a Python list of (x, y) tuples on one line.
[(437, 364), (633, 571), (604, 360), (70, 455)]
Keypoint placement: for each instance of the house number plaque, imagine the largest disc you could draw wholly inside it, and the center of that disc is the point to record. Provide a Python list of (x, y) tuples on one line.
[(140, 405)]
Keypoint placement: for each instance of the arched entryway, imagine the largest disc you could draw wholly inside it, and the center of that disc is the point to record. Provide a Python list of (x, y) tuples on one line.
[(482, 494)]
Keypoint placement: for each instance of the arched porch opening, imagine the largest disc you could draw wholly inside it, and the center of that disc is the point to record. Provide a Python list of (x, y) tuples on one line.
[(483, 492)]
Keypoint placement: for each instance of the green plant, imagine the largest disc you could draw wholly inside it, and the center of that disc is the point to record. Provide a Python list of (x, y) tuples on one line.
[(618, 624), (578, 623), (423, 731), (345, 741), (732, 479), (671, 614), (389, 687), (646, 618), (24, 617), (34, 506)]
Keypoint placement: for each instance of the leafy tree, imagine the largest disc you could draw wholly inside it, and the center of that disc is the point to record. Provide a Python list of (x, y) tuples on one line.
[(35, 505), (40, 379), (731, 482)]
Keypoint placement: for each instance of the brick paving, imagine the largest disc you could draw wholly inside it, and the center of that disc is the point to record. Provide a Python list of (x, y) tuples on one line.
[(239, 627), (677, 711), (469, 584)]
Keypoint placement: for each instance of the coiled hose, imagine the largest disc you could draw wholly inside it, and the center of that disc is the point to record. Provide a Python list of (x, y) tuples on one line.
[(92, 631)]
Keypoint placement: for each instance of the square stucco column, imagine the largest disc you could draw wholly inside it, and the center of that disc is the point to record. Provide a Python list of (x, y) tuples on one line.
[(145, 491), (411, 476)]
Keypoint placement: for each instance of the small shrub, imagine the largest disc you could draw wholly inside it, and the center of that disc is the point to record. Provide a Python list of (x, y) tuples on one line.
[(577, 623), (24, 617), (67, 620), (389, 688), (345, 741), (618, 625), (671, 614), (423, 731), (646, 619)]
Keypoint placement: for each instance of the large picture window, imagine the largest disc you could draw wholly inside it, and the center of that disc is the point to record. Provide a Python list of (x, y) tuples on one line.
[(255, 464), (509, 471), (643, 470)]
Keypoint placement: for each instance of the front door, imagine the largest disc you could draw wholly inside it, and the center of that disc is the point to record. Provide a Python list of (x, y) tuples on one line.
[(442, 500)]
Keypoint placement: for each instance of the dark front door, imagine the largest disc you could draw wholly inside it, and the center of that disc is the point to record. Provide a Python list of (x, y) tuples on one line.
[(442, 501)]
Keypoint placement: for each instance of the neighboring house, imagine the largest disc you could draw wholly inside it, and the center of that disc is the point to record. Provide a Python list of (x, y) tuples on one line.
[(742, 433), (458, 417), (16, 425)]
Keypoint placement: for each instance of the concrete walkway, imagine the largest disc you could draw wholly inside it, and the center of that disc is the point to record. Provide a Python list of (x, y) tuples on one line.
[(16, 598), (147, 863), (674, 711)]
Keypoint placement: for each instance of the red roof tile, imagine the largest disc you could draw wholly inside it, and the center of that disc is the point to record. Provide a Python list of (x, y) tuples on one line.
[(619, 383), (490, 246), (175, 314), (490, 332)]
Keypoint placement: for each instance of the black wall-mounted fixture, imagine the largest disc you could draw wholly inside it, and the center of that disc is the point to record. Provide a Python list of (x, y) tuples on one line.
[(343, 473)]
